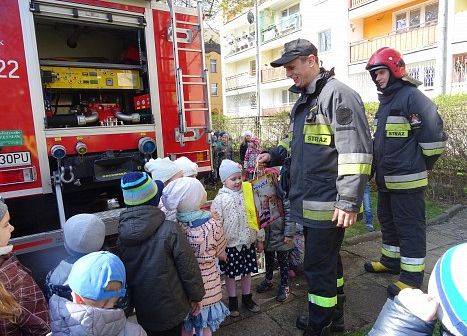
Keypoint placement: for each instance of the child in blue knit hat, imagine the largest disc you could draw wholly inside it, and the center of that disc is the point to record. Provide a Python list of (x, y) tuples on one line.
[(163, 275), (97, 281)]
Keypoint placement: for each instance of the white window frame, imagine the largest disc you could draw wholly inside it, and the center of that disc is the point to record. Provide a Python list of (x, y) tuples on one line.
[(287, 10), (211, 62), (407, 10), (215, 85), (319, 40), (289, 94)]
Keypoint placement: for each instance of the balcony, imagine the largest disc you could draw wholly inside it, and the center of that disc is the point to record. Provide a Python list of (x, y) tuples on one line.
[(358, 3), (285, 26), (270, 111), (273, 74), (240, 81), (411, 40), (240, 43)]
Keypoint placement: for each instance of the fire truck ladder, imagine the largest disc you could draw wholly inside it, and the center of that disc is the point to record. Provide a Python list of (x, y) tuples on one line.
[(184, 132)]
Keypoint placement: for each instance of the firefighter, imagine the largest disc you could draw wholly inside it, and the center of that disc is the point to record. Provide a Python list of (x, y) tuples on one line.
[(409, 139), (330, 151)]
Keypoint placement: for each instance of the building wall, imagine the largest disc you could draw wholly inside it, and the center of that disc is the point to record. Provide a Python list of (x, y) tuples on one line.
[(460, 6), (215, 77), (382, 23)]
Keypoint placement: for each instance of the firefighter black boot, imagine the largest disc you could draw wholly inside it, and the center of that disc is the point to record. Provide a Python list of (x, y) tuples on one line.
[(302, 321), (326, 331), (337, 324), (378, 267)]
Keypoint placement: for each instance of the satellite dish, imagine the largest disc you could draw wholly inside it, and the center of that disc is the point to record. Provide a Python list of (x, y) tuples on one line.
[(250, 17)]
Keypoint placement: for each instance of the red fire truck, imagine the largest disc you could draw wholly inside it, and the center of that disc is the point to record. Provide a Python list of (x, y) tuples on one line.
[(91, 89)]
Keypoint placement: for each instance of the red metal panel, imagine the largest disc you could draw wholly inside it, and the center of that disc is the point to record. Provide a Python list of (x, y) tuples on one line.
[(99, 143), (15, 103), (191, 64), (107, 4)]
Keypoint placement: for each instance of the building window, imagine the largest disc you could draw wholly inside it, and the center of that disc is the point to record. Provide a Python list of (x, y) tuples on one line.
[(253, 67), (324, 39), (213, 66), (214, 89), (288, 97), (417, 16), (290, 11)]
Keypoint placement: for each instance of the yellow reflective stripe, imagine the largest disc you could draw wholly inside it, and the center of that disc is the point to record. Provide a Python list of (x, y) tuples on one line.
[(340, 282), (412, 268), (354, 168), (318, 139), (409, 181), (397, 134), (398, 127), (322, 301), (284, 144), (407, 185), (318, 214), (390, 254), (430, 152), (317, 129)]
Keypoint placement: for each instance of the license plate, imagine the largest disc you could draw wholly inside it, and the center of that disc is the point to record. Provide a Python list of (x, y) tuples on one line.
[(16, 159)]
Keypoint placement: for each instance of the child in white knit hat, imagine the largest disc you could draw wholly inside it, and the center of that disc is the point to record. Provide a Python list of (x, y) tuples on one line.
[(206, 237), (228, 206), (190, 168), (167, 172)]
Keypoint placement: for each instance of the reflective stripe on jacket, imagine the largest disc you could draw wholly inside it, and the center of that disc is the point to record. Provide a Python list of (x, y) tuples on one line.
[(330, 149)]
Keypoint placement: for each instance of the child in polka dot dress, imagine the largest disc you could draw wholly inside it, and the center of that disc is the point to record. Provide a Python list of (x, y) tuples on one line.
[(241, 252)]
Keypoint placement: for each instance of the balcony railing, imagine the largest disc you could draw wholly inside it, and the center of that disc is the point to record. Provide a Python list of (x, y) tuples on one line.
[(407, 41), (459, 69), (239, 43), (240, 81), (269, 111), (273, 74), (285, 26), (358, 3)]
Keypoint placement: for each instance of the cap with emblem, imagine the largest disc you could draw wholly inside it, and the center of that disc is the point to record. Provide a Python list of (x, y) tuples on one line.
[(294, 49)]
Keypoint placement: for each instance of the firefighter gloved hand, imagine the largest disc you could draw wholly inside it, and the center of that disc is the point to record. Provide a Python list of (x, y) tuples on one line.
[(344, 218)]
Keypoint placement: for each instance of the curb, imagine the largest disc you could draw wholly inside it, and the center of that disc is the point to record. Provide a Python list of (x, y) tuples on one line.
[(445, 215)]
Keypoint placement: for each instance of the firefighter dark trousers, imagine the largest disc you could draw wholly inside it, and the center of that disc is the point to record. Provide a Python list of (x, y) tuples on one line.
[(403, 226), (322, 266)]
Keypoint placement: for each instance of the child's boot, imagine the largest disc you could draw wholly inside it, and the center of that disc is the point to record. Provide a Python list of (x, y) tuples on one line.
[(233, 306), (282, 293), (264, 286), (248, 303)]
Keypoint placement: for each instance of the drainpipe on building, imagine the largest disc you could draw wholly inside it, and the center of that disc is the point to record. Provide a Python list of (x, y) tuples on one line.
[(258, 71), (443, 44)]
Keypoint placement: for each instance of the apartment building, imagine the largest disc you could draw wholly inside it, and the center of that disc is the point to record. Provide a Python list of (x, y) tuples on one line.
[(213, 63), (432, 35)]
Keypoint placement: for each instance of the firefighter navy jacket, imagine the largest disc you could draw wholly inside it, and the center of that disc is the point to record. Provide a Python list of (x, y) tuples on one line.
[(330, 149), (409, 138)]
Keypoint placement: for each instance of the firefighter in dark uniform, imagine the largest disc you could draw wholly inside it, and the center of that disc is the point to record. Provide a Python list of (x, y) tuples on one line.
[(408, 140), (330, 151)]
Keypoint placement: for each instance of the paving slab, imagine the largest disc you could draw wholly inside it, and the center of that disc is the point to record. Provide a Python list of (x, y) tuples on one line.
[(256, 325)]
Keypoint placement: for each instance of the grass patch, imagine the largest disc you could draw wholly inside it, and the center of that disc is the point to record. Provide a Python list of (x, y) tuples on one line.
[(361, 332)]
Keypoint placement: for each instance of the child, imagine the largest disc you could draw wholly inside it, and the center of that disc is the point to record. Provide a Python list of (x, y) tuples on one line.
[(241, 254), (166, 171), (278, 243), (163, 275), (97, 280), (23, 308), (189, 168), (206, 237), (83, 234), (252, 152)]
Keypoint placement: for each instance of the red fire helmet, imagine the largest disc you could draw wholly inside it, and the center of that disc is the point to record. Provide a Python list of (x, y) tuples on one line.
[(386, 57)]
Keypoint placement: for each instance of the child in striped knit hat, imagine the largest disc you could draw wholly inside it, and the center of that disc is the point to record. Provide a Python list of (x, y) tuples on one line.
[(163, 275), (206, 237)]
